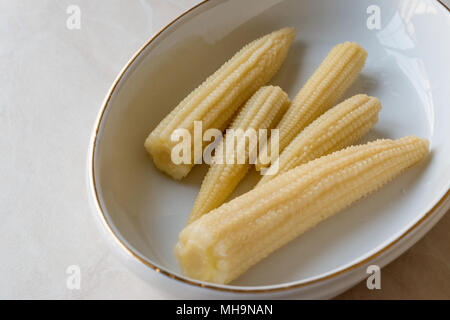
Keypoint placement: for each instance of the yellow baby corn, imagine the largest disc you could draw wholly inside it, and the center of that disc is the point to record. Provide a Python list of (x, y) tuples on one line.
[(223, 244), (262, 111), (335, 129), (335, 74), (218, 97)]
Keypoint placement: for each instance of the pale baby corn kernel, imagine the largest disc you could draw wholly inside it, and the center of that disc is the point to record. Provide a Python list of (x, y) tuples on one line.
[(337, 128), (215, 101), (262, 111), (323, 90), (223, 244)]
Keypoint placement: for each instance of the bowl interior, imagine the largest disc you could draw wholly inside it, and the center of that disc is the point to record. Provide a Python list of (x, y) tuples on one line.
[(407, 69)]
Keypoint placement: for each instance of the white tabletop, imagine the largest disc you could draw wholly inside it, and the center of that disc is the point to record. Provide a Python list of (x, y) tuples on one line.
[(53, 78)]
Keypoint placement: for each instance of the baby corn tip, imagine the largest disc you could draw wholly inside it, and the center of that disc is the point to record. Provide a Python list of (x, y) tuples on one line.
[(195, 264)]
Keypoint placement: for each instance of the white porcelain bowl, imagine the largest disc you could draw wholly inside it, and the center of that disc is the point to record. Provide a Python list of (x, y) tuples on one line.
[(408, 69)]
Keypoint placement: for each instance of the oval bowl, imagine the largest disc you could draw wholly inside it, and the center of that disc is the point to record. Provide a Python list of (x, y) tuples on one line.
[(142, 210)]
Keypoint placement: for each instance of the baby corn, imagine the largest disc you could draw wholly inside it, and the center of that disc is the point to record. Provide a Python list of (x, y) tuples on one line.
[(224, 243), (336, 73), (218, 97), (335, 129), (262, 111)]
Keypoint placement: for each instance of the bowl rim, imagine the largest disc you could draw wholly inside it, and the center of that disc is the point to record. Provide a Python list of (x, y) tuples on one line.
[(224, 288)]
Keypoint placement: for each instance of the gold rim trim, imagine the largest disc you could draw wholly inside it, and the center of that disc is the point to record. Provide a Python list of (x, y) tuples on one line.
[(444, 5), (136, 256)]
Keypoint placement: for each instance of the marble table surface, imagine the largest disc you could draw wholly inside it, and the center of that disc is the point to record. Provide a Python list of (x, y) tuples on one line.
[(54, 77)]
